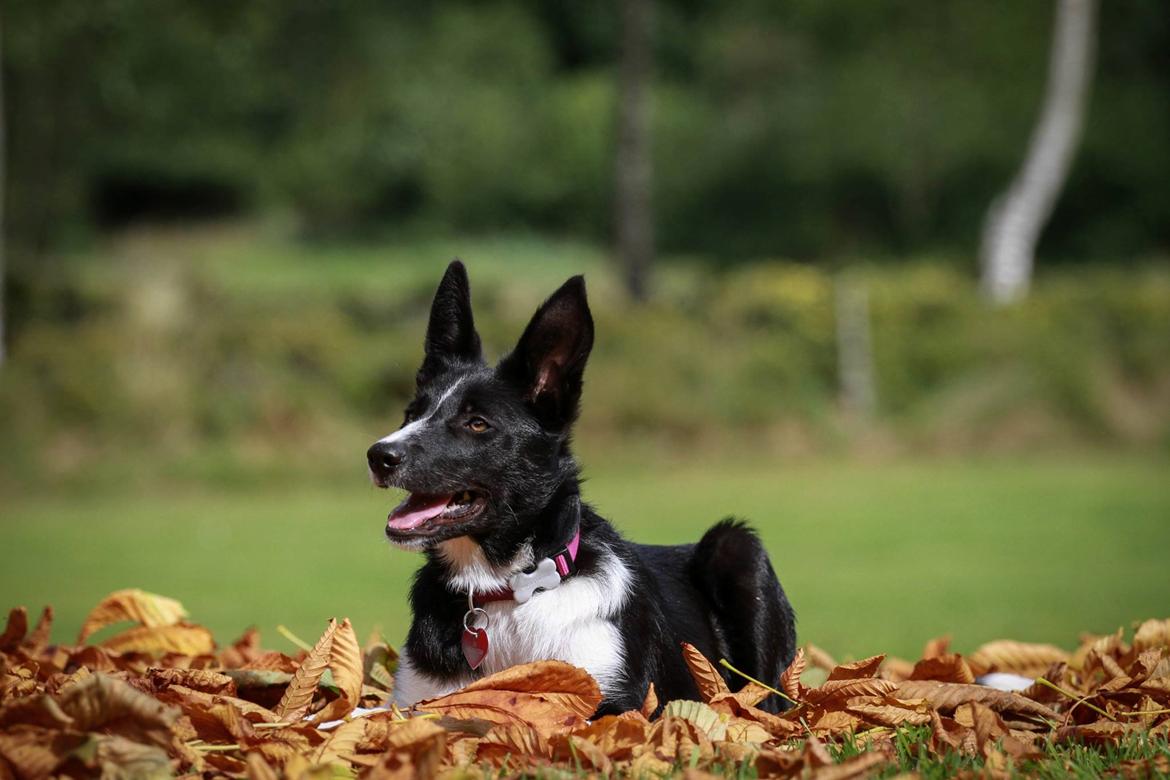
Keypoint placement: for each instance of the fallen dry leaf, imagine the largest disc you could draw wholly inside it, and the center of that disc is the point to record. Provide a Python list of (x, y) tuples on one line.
[(100, 700), (699, 715), (650, 702), (707, 678), (555, 681), (35, 752), (258, 768), (949, 696), (14, 630), (345, 662), (1025, 658), (342, 742), (751, 694), (40, 633), (299, 695), (936, 647), (944, 668), (512, 739), (186, 698), (618, 736), (111, 756), (550, 696), (776, 725), (889, 711), (1152, 633), (843, 689), (866, 667), (413, 750), (204, 680), (157, 700), (138, 606), (40, 710), (182, 638), (575, 751), (790, 680)]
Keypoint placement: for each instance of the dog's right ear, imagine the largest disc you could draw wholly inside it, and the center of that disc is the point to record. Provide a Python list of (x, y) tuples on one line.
[(451, 335)]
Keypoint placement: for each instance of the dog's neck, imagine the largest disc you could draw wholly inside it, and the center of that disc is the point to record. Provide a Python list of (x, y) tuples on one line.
[(486, 565)]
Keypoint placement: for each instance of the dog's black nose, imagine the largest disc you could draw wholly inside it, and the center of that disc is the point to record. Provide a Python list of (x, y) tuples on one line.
[(384, 457)]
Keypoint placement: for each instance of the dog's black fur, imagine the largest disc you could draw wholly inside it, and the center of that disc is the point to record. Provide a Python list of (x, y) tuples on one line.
[(503, 433)]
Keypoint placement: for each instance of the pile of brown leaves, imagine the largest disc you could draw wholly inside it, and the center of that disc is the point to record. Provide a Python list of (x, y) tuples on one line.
[(159, 699)]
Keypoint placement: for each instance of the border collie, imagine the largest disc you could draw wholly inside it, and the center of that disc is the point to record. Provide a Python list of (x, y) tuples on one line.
[(518, 568)]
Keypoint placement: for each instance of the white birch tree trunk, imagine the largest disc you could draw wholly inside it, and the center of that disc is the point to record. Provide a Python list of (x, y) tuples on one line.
[(854, 348), (1016, 218)]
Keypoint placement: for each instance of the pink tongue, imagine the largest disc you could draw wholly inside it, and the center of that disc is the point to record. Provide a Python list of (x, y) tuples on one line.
[(416, 510)]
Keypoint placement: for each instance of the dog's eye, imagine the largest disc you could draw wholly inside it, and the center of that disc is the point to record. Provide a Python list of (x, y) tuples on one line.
[(477, 425)]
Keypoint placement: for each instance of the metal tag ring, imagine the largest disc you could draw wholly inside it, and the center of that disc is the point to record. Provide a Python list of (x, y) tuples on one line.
[(470, 615)]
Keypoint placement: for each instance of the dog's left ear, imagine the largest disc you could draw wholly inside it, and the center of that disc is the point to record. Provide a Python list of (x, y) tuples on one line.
[(548, 363), (451, 332)]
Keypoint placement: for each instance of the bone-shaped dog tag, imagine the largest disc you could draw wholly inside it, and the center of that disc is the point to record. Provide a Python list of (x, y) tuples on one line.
[(544, 578)]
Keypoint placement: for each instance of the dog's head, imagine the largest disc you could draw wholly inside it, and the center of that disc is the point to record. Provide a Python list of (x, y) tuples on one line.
[(483, 449)]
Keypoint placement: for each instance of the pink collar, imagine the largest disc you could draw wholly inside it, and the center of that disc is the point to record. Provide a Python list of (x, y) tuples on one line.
[(564, 560), (567, 557)]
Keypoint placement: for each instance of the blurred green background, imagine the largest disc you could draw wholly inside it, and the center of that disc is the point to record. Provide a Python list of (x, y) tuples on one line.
[(224, 222)]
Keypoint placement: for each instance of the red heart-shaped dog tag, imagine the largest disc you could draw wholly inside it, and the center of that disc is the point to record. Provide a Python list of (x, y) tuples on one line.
[(475, 646)]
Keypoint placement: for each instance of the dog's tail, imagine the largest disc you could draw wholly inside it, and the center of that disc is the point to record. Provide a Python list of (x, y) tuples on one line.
[(730, 565)]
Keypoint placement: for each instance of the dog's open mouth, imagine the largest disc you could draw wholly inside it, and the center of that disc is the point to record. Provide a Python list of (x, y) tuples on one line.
[(421, 511)]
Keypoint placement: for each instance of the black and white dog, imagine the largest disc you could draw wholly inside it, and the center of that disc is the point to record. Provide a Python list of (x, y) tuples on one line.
[(518, 568)]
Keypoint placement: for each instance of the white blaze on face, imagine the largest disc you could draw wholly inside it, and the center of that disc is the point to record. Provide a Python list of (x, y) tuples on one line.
[(410, 429)]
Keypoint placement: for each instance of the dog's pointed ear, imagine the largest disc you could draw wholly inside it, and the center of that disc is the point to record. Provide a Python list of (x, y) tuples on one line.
[(548, 363), (451, 335)]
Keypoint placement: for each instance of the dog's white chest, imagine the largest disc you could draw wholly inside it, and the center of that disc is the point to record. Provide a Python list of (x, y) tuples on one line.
[(571, 623)]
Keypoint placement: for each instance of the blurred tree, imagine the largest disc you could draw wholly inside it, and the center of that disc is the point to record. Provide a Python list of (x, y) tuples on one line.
[(633, 213), (805, 129), (3, 184), (1016, 218)]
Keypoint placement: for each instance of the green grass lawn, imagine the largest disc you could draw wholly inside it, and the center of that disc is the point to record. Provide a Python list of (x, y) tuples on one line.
[(876, 558)]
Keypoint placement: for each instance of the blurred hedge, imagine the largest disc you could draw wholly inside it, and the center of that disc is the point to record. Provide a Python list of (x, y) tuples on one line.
[(312, 351), (806, 128)]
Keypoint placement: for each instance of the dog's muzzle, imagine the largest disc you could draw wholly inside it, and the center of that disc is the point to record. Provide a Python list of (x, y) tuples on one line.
[(384, 457)]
